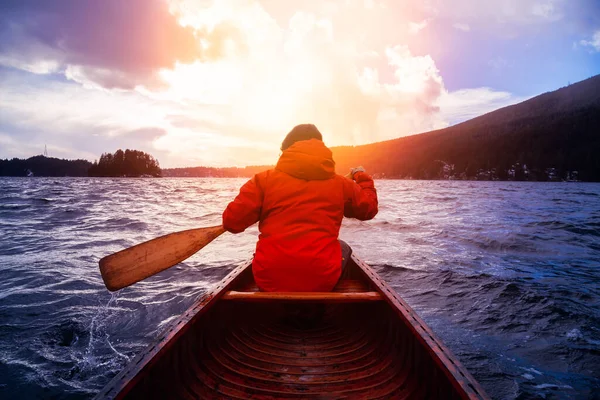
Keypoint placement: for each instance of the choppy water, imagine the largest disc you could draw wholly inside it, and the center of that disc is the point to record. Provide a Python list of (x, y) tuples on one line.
[(507, 274)]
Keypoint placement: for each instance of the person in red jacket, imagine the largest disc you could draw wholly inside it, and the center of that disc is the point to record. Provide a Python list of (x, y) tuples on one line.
[(300, 205)]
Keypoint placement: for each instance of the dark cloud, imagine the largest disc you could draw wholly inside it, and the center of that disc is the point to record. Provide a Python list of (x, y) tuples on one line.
[(99, 139), (115, 43), (144, 134)]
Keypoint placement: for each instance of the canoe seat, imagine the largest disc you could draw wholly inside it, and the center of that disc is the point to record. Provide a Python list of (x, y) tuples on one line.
[(346, 291)]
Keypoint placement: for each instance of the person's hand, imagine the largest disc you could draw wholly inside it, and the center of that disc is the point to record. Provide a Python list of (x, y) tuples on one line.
[(355, 170)]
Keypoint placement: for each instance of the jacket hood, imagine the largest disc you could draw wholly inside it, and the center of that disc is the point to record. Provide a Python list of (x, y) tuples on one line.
[(307, 159)]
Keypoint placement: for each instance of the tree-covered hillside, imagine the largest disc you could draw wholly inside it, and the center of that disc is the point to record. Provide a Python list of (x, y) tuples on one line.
[(552, 136), (129, 163), (44, 166)]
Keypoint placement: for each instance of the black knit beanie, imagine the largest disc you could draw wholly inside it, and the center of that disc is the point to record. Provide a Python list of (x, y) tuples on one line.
[(301, 132)]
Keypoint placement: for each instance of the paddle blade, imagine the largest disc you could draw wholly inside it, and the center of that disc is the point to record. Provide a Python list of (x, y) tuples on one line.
[(136, 263)]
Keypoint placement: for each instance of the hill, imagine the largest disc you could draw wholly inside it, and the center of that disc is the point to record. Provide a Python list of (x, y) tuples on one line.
[(44, 166), (554, 136), (128, 163)]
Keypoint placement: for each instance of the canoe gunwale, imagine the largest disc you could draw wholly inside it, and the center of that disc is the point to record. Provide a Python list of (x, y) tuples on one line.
[(122, 383), (461, 379)]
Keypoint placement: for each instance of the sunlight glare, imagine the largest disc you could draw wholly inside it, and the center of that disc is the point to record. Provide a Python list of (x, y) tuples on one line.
[(211, 83)]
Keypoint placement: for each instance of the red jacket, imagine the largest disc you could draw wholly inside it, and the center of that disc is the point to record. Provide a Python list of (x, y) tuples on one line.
[(300, 205)]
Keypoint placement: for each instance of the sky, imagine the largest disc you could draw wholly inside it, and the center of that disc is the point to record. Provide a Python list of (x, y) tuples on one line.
[(221, 82)]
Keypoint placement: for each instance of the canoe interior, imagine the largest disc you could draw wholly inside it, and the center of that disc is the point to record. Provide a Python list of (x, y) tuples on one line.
[(282, 349)]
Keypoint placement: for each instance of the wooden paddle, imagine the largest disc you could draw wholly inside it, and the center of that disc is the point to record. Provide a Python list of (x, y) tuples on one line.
[(136, 263), (141, 261)]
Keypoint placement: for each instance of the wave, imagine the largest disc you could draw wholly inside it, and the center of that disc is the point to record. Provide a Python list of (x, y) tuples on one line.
[(124, 224), (506, 283)]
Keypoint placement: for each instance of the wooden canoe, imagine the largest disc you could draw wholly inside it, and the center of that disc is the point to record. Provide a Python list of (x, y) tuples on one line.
[(361, 341)]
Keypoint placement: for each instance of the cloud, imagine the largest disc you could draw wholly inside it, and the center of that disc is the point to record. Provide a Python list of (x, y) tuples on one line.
[(464, 104), (144, 134), (109, 43), (546, 10), (247, 79), (593, 43), (500, 63), (504, 18), (308, 71), (74, 121), (415, 27), (77, 122), (520, 12), (462, 27)]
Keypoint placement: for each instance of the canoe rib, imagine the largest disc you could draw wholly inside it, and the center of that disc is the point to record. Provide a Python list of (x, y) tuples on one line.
[(363, 342)]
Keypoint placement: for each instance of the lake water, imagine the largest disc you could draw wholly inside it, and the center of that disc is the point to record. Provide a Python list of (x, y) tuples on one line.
[(506, 273)]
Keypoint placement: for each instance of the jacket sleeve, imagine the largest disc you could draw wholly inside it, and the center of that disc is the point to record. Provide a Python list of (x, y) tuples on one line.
[(245, 209), (361, 197)]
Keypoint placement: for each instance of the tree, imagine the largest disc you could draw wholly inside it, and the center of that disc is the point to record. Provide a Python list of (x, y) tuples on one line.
[(128, 163)]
